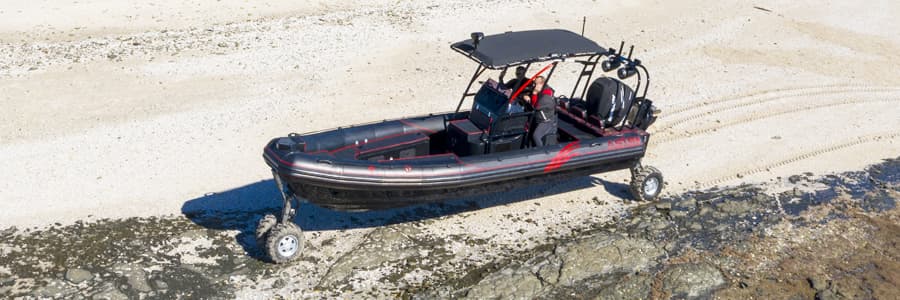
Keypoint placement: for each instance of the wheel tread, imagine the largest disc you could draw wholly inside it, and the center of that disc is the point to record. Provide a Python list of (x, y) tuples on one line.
[(272, 241), (638, 176), (263, 227)]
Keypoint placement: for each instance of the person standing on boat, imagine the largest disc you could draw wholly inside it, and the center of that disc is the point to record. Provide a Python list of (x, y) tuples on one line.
[(545, 118), (540, 89)]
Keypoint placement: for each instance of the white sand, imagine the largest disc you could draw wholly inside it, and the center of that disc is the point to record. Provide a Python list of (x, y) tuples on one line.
[(117, 109)]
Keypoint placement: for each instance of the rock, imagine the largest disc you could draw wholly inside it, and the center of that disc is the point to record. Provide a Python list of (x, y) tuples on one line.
[(509, 283), (77, 276), (760, 198), (634, 220), (602, 253), (54, 289), (826, 295), (162, 285), (547, 270), (794, 179), (670, 246), (688, 204), (692, 281), (109, 292), (279, 283), (658, 225), (8, 231), (696, 226), (734, 207), (522, 281), (630, 287), (817, 283), (679, 213), (135, 275), (383, 245), (664, 205), (704, 210), (566, 266)]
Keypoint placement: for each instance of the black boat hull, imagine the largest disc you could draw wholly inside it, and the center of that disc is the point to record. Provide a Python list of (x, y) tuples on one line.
[(325, 179), (362, 200)]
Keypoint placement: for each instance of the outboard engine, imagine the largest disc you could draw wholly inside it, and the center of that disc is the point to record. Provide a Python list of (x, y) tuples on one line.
[(644, 114)]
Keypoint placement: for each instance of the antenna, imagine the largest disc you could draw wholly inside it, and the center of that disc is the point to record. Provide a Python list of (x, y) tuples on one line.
[(630, 51), (583, 22), (621, 47)]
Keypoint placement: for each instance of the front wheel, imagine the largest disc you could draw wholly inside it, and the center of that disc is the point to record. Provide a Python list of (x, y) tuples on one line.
[(646, 183), (284, 243)]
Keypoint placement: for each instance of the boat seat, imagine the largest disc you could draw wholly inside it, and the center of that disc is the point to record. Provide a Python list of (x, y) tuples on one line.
[(395, 146), (481, 117), (570, 130), (594, 120), (608, 99), (402, 146), (465, 137), (578, 110), (578, 122), (510, 124)]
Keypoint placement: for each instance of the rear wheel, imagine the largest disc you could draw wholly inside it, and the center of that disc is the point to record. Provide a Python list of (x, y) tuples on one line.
[(646, 183), (284, 243)]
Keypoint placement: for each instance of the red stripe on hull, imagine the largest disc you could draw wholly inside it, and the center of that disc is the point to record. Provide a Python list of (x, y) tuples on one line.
[(562, 157)]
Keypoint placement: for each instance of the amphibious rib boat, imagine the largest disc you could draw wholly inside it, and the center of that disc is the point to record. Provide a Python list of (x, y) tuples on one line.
[(600, 126)]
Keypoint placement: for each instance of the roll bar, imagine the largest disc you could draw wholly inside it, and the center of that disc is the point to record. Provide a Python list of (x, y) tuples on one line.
[(625, 67)]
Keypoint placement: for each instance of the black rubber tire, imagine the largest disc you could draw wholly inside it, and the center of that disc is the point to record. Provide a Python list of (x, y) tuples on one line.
[(278, 233), (639, 180), (263, 227)]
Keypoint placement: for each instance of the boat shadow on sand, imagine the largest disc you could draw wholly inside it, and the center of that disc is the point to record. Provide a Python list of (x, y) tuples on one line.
[(241, 208)]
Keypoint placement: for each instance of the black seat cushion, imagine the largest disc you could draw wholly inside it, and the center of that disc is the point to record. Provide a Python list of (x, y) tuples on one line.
[(481, 117), (511, 124), (573, 131)]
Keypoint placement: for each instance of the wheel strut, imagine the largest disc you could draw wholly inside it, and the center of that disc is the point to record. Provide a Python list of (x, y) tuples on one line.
[(287, 197), (636, 167)]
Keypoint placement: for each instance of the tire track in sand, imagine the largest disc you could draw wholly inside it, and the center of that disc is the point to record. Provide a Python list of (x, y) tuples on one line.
[(710, 182), (756, 116), (767, 97)]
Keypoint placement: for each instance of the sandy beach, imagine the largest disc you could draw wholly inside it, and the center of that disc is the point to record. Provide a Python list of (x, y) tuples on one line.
[(135, 121), (116, 110)]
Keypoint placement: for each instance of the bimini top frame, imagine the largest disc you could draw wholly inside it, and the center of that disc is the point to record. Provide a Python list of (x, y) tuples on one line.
[(515, 48)]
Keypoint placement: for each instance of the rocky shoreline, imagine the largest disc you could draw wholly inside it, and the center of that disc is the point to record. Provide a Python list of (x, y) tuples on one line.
[(740, 242), (802, 237)]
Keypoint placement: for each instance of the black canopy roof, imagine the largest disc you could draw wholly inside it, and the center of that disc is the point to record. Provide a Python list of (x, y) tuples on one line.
[(521, 47)]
